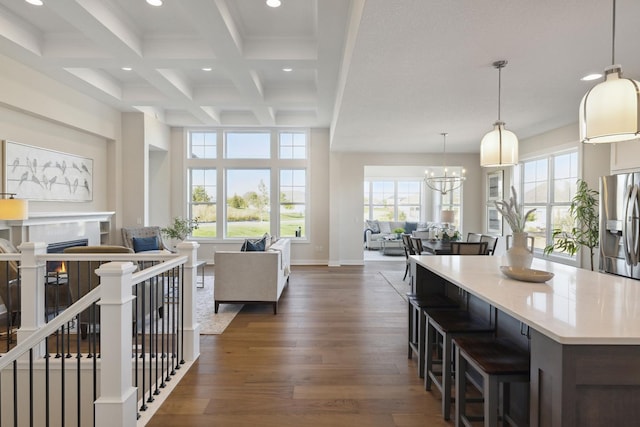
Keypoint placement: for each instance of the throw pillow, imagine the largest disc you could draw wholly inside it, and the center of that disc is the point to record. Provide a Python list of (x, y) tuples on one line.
[(254, 245), (141, 244), (373, 225), (410, 227), (385, 227)]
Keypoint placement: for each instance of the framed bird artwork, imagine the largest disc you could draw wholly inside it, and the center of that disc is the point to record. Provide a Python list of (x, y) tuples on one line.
[(36, 173)]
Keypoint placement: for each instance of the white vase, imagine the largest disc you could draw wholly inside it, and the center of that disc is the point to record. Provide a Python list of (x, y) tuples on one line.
[(519, 255)]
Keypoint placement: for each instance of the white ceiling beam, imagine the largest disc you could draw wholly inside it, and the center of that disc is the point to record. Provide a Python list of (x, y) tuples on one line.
[(213, 22)]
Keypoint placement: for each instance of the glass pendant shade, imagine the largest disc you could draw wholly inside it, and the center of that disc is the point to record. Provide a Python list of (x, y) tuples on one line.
[(610, 111), (499, 147)]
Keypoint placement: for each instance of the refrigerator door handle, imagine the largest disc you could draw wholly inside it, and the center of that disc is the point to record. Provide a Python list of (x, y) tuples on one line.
[(633, 221), (631, 232), (627, 241)]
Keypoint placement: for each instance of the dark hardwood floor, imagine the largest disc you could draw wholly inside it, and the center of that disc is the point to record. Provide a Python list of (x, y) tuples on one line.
[(334, 355)]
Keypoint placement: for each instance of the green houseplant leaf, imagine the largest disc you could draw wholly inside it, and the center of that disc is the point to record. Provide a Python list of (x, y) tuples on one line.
[(585, 232), (180, 228)]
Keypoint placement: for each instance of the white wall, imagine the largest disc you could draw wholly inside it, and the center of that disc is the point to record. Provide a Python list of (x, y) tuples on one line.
[(36, 110)]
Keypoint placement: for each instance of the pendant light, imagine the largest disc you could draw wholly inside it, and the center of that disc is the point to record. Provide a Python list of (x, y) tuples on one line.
[(500, 146), (609, 111), (446, 182)]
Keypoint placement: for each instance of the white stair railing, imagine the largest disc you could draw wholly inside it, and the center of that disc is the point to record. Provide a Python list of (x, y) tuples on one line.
[(117, 400)]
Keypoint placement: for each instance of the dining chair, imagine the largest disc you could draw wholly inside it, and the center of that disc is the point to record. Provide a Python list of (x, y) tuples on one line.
[(468, 248), (408, 251), (492, 242), (474, 237), (416, 242)]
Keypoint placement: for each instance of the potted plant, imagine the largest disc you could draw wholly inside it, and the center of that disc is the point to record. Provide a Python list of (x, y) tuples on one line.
[(518, 256), (180, 228), (398, 231), (449, 235), (584, 232)]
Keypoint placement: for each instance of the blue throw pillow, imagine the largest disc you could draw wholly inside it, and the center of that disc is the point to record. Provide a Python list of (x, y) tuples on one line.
[(410, 227), (254, 245), (141, 244)]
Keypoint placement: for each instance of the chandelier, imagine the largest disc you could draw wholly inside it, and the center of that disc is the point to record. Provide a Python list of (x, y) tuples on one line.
[(446, 182), (610, 111)]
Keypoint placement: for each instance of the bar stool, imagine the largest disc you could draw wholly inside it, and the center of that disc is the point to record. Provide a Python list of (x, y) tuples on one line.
[(417, 322), (448, 324), (498, 361)]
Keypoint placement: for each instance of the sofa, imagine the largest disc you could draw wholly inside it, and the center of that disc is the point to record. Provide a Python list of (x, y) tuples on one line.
[(376, 231), (256, 277)]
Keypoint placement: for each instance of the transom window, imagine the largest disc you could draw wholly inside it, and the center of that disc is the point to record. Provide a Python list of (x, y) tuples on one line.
[(203, 145), (293, 145), (247, 145)]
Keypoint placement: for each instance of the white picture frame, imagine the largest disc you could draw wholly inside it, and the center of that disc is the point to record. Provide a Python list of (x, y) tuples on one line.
[(35, 173)]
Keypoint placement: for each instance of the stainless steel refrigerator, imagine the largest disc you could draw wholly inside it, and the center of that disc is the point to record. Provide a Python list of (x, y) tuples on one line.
[(620, 224)]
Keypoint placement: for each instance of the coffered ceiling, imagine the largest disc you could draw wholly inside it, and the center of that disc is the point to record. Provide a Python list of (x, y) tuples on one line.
[(384, 75)]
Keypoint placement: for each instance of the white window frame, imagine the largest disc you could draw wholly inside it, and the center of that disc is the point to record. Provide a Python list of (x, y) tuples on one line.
[(550, 202), (274, 164)]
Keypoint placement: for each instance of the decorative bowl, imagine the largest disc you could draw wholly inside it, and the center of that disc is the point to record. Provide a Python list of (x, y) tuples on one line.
[(526, 274)]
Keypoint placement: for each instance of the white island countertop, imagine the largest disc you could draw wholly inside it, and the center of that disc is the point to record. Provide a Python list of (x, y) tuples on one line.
[(577, 306)]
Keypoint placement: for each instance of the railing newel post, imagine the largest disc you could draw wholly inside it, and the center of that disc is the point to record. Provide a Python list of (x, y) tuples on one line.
[(190, 328), (117, 404), (32, 284)]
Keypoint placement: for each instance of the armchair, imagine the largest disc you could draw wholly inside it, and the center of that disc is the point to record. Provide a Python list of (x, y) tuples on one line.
[(146, 234)]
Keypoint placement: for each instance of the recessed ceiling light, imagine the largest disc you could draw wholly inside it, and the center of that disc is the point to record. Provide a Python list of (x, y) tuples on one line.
[(35, 2), (288, 70), (127, 68), (589, 77), (155, 2), (207, 68), (274, 3)]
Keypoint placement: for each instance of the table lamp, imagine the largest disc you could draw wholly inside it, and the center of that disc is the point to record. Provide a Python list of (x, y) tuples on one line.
[(447, 216), (12, 208)]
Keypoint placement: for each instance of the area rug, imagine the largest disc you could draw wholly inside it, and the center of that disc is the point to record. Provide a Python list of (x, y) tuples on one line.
[(210, 322), (394, 278)]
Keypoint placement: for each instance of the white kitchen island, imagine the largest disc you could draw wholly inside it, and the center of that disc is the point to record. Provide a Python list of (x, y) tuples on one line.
[(582, 329)]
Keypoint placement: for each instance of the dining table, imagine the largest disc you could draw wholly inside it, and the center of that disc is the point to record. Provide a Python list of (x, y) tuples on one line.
[(437, 247)]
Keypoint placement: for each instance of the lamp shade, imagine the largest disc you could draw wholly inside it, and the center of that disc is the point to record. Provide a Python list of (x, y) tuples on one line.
[(14, 209), (609, 112), (447, 216), (499, 147)]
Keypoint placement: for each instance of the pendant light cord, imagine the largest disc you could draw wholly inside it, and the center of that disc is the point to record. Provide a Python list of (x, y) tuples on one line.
[(499, 65), (444, 153), (613, 36), (499, 89)]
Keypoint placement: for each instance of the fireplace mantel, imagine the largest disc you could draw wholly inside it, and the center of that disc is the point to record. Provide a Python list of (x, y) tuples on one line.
[(53, 227), (39, 218)]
